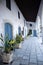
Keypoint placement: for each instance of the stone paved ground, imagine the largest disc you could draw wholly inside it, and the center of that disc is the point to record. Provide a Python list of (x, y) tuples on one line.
[(31, 53)]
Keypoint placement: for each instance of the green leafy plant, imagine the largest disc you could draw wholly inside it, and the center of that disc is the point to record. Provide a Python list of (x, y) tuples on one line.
[(7, 45), (1, 38), (18, 38), (12, 43)]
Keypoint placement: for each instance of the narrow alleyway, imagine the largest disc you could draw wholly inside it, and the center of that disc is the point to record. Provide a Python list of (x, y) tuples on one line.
[(31, 53)]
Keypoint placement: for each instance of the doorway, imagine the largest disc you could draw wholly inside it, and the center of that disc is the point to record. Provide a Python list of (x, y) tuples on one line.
[(34, 33), (8, 30)]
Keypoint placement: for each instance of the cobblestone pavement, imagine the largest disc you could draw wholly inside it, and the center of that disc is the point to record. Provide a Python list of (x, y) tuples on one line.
[(31, 53)]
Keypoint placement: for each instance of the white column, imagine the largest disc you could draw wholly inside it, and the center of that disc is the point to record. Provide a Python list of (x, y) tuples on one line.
[(42, 20), (42, 34)]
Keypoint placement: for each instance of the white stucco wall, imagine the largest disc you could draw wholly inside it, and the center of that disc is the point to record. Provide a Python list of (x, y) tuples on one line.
[(7, 16), (10, 16), (39, 19), (33, 27)]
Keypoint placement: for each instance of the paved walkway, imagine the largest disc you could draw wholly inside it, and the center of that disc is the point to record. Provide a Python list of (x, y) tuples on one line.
[(31, 53)]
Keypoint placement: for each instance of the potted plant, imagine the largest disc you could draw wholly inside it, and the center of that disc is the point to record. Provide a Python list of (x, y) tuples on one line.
[(18, 39), (7, 55)]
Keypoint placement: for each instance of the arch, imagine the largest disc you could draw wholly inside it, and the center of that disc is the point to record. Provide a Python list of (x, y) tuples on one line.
[(8, 30)]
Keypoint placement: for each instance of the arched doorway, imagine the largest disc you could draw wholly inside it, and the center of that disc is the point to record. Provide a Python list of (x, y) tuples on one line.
[(19, 30), (8, 30), (34, 33)]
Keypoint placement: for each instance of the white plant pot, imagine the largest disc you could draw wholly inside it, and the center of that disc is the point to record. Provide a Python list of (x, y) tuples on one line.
[(7, 57), (18, 46)]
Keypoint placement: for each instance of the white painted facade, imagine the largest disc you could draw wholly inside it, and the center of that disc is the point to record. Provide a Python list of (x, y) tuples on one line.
[(39, 24), (33, 27), (39, 21), (11, 16)]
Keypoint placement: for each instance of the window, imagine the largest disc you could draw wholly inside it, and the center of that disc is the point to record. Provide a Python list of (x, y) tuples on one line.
[(18, 14), (30, 24), (8, 4)]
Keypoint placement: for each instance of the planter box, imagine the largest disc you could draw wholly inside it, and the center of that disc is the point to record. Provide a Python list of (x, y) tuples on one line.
[(17, 46), (7, 57)]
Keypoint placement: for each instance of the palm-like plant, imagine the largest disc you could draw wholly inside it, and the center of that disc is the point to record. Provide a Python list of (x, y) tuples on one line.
[(1, 38)]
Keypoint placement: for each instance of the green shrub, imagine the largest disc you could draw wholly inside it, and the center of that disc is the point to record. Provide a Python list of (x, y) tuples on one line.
[(9, 44), (18, 38)]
